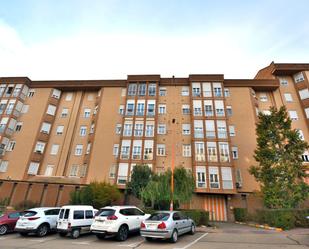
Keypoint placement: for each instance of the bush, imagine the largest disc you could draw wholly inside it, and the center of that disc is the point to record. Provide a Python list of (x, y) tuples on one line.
[(241, 214), (282, 218), (200, 217), (27, 204), (300, 217)]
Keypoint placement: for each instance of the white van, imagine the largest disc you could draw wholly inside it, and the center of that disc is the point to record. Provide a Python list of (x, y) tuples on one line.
[(74, 220)]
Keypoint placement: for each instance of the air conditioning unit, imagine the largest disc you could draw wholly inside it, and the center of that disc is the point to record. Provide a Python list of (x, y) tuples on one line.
[(238, 184)]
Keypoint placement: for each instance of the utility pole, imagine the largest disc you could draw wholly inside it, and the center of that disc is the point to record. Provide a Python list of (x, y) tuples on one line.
[(172, 161)]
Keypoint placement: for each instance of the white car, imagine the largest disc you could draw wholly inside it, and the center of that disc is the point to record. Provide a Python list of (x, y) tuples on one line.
[(75, 220), (117, 220), (37, 220)]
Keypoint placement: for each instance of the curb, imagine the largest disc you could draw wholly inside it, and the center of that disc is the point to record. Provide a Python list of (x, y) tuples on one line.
[(266, 227)]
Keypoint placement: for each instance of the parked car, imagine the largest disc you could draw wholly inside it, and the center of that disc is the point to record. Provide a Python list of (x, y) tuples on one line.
[(75, 220), (118, 221), (8, 221), (167, 225), (40, 221)]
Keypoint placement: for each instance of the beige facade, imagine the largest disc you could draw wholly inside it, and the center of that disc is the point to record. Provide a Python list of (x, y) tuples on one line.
[(59, 135)]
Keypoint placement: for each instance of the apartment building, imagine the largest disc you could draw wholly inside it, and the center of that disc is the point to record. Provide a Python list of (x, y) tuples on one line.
[(57, 136)]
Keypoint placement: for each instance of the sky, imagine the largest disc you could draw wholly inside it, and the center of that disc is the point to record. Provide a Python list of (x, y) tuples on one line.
[(109, 39)]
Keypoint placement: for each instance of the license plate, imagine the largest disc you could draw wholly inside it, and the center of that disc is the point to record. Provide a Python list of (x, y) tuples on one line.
[(152, 226), (101, 221)]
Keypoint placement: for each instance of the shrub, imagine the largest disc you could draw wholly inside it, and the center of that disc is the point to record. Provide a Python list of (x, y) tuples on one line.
[(200, 217), (241, 214), (300, 217), (282, 218)]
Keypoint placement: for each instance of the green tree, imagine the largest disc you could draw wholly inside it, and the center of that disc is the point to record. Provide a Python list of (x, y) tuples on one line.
[(97, 194), (140, 177), (280, 169)]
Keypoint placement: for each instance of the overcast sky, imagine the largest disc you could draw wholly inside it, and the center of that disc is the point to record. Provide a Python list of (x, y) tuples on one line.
[(88, 39)]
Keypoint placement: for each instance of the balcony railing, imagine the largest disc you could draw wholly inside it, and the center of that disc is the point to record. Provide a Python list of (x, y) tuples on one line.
[(199, 157), (214, 185)]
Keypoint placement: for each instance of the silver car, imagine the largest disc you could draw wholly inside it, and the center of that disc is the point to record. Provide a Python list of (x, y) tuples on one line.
[(167, 225)]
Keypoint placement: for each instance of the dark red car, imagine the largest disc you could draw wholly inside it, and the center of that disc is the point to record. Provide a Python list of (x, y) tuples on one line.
[(8, 221)]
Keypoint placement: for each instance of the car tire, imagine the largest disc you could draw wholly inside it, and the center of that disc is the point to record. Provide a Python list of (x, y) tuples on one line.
[(122, 234), (75, 233), (42, 230), (3, 229), (23, 234), (148, 238), (100, 236), (62, 234), (174, 236), (192, 231)]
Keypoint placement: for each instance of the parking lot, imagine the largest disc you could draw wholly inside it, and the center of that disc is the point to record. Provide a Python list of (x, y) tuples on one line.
[(226, 235)]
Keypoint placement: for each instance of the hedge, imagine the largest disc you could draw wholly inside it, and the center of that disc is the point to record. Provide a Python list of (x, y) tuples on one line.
[(240, 214)]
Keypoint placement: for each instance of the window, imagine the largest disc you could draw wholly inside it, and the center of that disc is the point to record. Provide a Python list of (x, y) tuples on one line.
[(198, 129), (17, 90), (140, 110), (266, 112), (235, 152), (214, 177), (217, 89), (148, 150), (10, 146), (200, 176), (307, 112), (130, 107), (196, 89), (78, 150), (221, 129), (142, 89), (199, 152), (10, 106), (132, 89), (49, 170), (87, 112), (232, 130), (33, 168), (3, 123), (138, 129), (45, 128), (226, 92), (210, 129), (127, 128), (83, 131), (54, 149), (60, 129), (92, 128), (2, 89), (283, 81), (212, 152), (224, 152), (288, 97), (3, 105), (161, 129), (186, 150), (149, 132), (56, 93), (186, 129), (51, 110), (299, 77), (185, 109), (9, 90), (115, 150), (39, 147), (293, 115), (88, 148), (197, 107), (162, 91), (263, 97), (219, 108), (304, 94), (25, 109), (89, 214), (65, 112), (207, 89), (301, 134), (162, 109), (160, 149), (121, 110), (227, 182), (305, 156), (11, 126), (151, 107), (68, 96), (112, 171), (74, 170), (137, 150), (122, 173), (208, 108), (125, 149), (152, 90), (185, 91), (4, 166), (19, 125), (118, 129), (229, 111)]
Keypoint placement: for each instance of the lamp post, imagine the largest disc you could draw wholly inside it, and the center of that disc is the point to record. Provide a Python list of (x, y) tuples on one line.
[(172, 170)]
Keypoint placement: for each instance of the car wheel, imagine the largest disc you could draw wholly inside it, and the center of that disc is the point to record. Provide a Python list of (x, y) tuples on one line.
[(75, 233), (174, 236), (62, 234), (122, 234), (42, 230), (148, 238), (23, 234), (100, 236), (3, 229), (192, 231)]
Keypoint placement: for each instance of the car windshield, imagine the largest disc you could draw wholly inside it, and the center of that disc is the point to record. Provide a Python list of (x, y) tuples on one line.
[(159, 216), (29, 213), (105, 212)]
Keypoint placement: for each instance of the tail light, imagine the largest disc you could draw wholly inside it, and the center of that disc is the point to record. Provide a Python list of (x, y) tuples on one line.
[(69, 225), (112, 217), (33, 218), (162, 225), (143, 225)]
